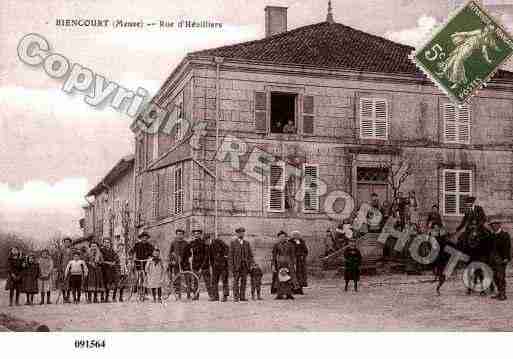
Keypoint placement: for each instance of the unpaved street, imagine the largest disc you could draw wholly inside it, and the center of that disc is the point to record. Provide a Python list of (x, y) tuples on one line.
[(394, 302)]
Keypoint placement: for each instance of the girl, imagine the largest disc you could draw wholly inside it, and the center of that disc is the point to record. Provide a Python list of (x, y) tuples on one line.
[(77, 271), (155, 275), (29, 276), (353, 260), (45, 273), (15, 267), (94, 282)]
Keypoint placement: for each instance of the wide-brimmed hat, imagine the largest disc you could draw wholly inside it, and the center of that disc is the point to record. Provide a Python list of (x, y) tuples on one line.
[(240, 230), (280, 233), (144, 234), (197, 230), (179, 230)]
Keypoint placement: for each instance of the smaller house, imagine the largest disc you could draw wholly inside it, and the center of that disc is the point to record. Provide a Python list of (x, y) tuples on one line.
[(110, 209)]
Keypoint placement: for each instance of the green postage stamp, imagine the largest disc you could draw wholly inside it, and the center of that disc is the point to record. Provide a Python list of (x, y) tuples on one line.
[(465, 53)]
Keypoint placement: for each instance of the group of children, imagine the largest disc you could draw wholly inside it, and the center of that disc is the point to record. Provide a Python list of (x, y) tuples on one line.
[(30, 276)]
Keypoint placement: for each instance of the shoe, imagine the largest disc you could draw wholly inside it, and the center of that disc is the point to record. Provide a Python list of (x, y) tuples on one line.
[(502, 297), (279, 297), (482, 293), (235, 299), (289, 297), (41, 303), (121, 300), (497, 296), (213, 299), (469, 291), (243, 300), (224, 299)]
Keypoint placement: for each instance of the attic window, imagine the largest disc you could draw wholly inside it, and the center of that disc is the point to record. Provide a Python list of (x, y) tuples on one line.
[(283, 112)]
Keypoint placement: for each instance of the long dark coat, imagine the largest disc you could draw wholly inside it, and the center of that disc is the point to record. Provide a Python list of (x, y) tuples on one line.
[(284, 256), (301, 251), (200, 255), (94, 280), (353, 261), (14, 269), (110, 270), (219, 253), (29, 277), (63, 258)]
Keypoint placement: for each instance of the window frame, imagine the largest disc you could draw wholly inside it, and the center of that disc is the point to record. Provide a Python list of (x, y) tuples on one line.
[(457, 192), (374, 100)]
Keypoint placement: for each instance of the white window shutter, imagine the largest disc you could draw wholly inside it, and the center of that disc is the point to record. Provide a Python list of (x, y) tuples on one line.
[(457, 187), (464, 124), (277, 188), (449, 115), (450, 189), (178, 190), (311, 187), (381, 119), (373, 118)]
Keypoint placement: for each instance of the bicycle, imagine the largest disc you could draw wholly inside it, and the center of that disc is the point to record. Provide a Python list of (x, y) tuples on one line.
[(137, 279), (184, 281)]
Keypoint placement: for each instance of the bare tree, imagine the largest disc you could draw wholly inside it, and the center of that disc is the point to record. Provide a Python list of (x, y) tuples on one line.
[(398, 170)]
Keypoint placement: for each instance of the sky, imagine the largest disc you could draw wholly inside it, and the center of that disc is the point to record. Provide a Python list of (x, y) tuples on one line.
[(54, 147)]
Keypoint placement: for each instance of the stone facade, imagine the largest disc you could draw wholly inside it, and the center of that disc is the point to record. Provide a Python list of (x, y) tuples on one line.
[(415, 131)]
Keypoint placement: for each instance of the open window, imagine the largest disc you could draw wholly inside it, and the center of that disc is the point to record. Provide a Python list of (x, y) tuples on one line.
[(283, 112)]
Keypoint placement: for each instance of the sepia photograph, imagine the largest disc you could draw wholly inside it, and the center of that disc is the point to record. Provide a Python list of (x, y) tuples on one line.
[(255, 166)]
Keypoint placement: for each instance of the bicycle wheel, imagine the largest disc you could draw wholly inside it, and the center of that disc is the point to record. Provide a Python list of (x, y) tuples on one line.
[(185, 282)]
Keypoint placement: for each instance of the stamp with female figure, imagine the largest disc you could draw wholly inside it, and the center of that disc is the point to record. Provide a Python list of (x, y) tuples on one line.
[(465, 53)]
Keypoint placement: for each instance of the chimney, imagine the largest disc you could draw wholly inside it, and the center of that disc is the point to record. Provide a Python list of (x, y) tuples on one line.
[(275, 20)]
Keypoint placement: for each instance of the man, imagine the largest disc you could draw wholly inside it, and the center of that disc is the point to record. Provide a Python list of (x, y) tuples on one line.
[(501, 255), (142, 252), (284, 256), (375, 215), (110, 268), (219, 253), (240, 260), (289, 127), (434, 217), (179, 254), (200, 260), (301, 251), (63, 258)]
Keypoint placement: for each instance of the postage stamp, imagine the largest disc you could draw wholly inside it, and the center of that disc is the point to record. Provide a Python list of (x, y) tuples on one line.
[(465, 53)]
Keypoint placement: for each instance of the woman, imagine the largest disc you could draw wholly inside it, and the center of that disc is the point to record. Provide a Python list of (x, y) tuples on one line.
[(122, 270), (29, 277), (14, 269), (301, 254), (94, 281), (413, 207), (284, 256)]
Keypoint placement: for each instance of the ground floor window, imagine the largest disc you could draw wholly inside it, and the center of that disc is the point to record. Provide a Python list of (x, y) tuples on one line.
[(457, 187), (371, 180)]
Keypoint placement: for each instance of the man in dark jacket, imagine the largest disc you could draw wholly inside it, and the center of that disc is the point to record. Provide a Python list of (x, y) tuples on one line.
[(501, 255), (110, 267), (199, 252), (179, 254), (301, 251), (219, 252), (142, 251), (240, 260)]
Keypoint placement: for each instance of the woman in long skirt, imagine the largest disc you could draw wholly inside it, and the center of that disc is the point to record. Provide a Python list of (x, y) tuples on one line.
[(94, 281)]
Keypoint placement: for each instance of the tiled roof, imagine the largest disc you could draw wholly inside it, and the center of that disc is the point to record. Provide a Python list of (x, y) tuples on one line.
[(327, 45), (123, 165)]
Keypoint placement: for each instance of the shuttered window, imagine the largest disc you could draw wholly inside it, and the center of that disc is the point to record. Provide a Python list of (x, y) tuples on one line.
[(311, 188), (155, 195), (178, 190), (163, 198), (456, 123), (261, 112), (308, 114), (277, 187), (373, 119), (457, 187)]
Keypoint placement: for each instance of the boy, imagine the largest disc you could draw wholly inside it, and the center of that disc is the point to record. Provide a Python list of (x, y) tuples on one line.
[(45, 274), (256, 281), (76, 270), (353, 260)]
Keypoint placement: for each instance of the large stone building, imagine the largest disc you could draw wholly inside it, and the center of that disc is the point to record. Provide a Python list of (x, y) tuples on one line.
[(110, 212), (356, 104)]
